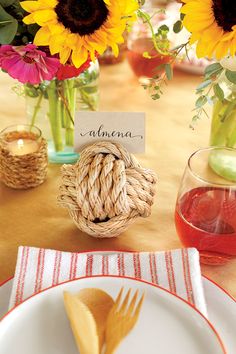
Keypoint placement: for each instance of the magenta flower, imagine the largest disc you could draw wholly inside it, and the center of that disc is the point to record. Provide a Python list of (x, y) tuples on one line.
[(28, 64)]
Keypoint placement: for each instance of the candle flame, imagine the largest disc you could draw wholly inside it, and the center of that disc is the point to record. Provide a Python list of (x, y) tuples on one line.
[(20, 143)]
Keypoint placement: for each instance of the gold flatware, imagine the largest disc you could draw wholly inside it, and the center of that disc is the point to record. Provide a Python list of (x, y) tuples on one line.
[(82, 324), (99, 304), (121, 319)]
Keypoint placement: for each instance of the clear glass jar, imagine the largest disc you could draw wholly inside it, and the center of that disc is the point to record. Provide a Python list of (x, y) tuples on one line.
[(52, 106), (223, 123), (146, 56), (223, 127)]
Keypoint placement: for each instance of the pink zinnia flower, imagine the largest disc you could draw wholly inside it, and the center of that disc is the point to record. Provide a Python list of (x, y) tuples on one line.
[(28, 64)]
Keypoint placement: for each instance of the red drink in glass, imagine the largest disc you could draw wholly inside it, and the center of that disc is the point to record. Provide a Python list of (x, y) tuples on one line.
[(205, 218), (144, 66)]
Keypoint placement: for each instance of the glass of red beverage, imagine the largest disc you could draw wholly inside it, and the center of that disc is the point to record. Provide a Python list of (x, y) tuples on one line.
[(140, 41), (205, 214)]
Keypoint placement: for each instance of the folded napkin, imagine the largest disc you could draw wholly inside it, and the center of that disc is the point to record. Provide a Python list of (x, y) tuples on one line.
[(177, 271)]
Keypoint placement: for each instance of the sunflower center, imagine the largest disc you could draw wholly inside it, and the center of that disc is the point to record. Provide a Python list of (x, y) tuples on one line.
[(225, 13), (82, 16)]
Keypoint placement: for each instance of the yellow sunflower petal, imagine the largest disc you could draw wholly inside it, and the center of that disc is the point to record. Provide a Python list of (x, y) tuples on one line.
[(233, 47), (64, 54), (115, 49), (62, 39), (210, 48), (210, 38), (194, 37), (227, 36), (98, 41), (48, 3), (131, 7), (201, 49), (42, 37), (56, 28), (222, 49), (79, 57), (29, 19), (213, 33), (193, 25), (195, 7), (72, 40), (56, 43), (43, 16), (92, 55), (30, 6)]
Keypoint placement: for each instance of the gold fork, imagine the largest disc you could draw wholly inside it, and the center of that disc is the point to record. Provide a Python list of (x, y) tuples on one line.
[(121, 319)]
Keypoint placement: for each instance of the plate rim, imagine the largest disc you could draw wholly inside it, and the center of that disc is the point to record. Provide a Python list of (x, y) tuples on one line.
[(220, 341), (129, 251), (220, 287), (4, 282)]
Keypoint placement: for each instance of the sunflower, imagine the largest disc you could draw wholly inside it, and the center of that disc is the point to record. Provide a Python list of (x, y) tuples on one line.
[(78, 29), (212, 24)]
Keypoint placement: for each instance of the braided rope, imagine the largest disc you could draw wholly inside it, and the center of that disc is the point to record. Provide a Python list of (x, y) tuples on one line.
[(106, 190), (25, 171)]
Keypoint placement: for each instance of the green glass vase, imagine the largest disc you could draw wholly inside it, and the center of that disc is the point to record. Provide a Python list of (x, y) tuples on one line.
[(223, 133), (52, 106)]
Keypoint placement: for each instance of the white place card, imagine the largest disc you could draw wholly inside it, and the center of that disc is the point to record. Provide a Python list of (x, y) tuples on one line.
[(126, 128)]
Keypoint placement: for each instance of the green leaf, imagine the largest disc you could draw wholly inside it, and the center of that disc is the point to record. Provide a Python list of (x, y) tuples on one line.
[(156, 96), (163, 28), (195, 118), (141, 2), (200, 101), (218, 92), (182, 16), (8, 27), (6, 3), (203, 85), (213, 69), (159, 67), (177, 26), (231, 76), (144, 15), (169, 71), (32, 29), (210, 100)]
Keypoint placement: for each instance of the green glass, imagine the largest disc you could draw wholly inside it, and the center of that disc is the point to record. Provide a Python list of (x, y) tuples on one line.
[(52, 106)]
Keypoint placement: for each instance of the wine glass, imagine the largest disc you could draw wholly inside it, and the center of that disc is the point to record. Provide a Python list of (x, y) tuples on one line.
[(205, 214)]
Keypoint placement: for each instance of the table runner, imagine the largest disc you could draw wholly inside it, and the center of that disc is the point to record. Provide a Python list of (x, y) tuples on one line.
[(177, 271)]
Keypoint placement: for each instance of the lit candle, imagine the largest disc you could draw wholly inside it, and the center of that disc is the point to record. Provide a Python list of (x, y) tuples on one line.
[(23, 146), (23, 156)]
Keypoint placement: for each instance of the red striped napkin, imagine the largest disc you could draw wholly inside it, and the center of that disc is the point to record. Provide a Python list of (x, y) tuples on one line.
[(177, 270)]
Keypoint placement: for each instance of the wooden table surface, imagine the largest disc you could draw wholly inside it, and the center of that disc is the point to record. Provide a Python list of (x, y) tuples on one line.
[(32, 217)]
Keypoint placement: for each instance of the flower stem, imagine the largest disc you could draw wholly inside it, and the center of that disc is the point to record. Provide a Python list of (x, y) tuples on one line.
[(54, 115), (68, 96), (36, 109), (87, 99)]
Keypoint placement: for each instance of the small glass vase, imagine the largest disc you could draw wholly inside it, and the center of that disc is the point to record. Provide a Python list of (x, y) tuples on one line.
[(52, 106), (223, 131)]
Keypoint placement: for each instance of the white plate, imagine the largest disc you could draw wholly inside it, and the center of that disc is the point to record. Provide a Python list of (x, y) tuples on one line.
[(5, 293), (221, 308), (167, 324)]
